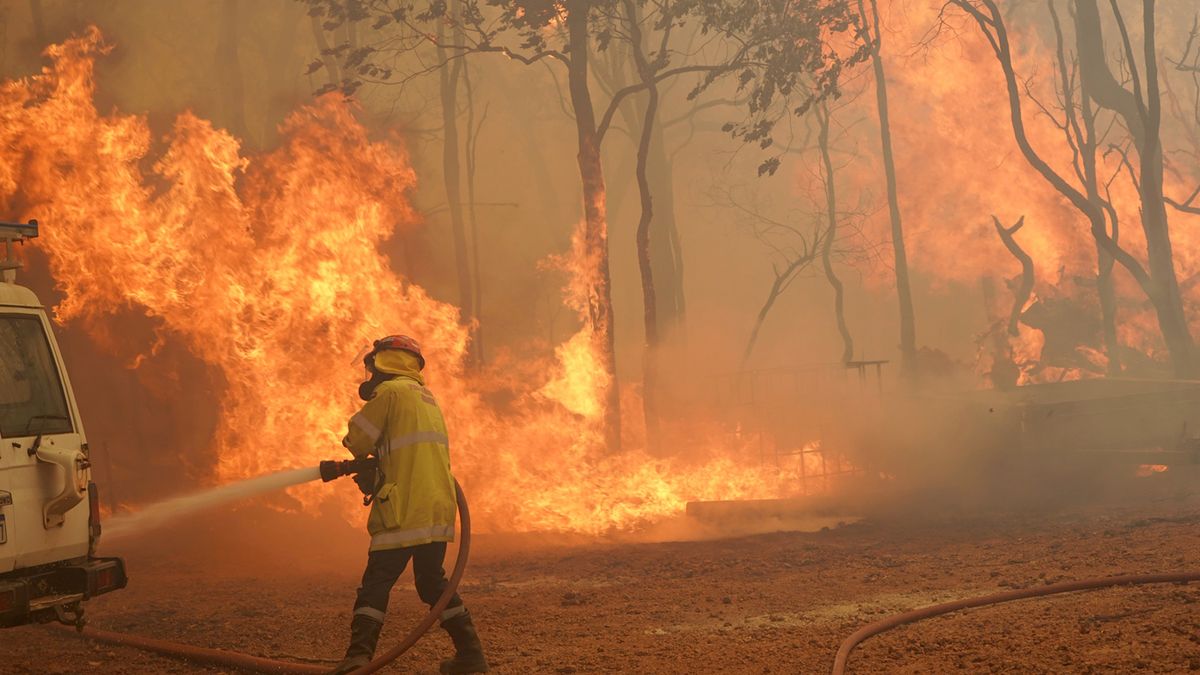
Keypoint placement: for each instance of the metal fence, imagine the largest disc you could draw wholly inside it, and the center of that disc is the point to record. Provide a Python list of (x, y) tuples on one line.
[(788, 415)]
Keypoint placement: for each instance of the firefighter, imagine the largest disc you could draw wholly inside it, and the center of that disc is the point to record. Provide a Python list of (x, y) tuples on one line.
[(413, 501)]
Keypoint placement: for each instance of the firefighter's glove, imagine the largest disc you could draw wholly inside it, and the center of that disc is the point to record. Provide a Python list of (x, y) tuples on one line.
[(365, 480)]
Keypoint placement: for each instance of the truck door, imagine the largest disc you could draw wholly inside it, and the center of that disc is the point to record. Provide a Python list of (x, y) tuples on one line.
[(43, 465)]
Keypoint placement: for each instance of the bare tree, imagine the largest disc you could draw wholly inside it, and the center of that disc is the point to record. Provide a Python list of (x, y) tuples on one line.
[(831, 231), (778, 43), (1142, 116), (801, 250), (1188, 63), (646, 72), (832, 236), (1027, 276), (472, 156), (327, 58), (1079, 128), (448, 81), (873, 38)]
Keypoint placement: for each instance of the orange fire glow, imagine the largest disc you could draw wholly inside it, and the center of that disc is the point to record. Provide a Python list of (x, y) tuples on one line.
[(958, 165), (268, 268)]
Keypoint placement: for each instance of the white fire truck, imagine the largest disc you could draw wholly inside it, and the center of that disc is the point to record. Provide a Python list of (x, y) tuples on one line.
[(49, 507)]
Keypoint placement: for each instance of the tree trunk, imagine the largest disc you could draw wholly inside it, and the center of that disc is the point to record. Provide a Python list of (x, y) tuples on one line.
[(1026, 288), (839, 292), (908, 336), (782, 279), (1159, 283), (1104, 260), (472, 163), (1004, 373), (591, 174), (1143, 118), (666, 260), (1108, 308), (772, 295), (448, 78), (327, 60), (666, 249), (1159, 257), (645, 266)]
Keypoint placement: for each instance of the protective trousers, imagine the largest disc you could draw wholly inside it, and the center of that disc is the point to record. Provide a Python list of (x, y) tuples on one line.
[(385, 567)]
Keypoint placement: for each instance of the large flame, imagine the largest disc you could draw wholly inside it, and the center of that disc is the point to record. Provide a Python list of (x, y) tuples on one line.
[(958, 165), (269, 269)]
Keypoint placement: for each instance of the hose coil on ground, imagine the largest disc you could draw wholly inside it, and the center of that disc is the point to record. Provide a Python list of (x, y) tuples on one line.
[(257, 664), (888, 623)]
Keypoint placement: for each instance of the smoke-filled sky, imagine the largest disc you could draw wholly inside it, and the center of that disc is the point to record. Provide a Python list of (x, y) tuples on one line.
[(245, 66)]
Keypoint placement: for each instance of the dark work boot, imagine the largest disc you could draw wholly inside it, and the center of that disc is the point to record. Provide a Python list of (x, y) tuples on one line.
[(468, 652), (364, 635)]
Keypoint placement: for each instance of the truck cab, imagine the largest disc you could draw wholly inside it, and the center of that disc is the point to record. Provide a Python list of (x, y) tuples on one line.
[(49, 505)]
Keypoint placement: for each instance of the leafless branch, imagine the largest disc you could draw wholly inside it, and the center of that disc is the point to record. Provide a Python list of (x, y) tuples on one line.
[(1026, 287)]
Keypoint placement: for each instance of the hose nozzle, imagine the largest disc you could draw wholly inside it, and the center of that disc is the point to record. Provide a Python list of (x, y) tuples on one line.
[(333, 469)]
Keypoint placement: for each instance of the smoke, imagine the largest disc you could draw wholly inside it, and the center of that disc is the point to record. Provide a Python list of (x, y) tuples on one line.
[(142, 386)]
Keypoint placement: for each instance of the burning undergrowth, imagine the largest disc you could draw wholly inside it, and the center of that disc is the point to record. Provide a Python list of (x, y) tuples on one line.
[(270, 270)]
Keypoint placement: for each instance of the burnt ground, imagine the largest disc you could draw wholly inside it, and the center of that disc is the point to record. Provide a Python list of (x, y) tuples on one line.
[(278, 586)]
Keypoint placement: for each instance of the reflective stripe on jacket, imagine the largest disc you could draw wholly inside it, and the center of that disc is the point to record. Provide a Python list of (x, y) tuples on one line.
[(403, 426)]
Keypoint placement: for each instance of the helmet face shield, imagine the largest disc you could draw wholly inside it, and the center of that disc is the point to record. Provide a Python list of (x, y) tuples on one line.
[(366, 356), (371, 377), (362, 355)]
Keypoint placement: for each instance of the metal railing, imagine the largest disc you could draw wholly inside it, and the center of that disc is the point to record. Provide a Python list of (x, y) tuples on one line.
[(14, 233)]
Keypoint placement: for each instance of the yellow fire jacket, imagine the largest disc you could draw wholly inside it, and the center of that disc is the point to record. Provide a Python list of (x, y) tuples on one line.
[(403, 426)]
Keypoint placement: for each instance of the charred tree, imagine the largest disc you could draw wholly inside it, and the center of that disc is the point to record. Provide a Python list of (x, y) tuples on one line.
[(327, 58), (1142, 115), (448, 83), (1080, 130), (839, 291), (908, 333), (1157, 282), (780, 47), (1004, 372), (591, 174), (1021, 296), (666, 247), (1188, 65), (473, 129), (783, 278), (649, 300)]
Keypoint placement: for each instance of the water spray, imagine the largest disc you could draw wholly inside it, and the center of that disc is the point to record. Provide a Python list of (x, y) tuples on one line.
[(163, 512), (159, 514)]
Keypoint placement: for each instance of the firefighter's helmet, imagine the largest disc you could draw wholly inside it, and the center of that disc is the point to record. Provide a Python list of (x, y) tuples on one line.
[(401, 342)]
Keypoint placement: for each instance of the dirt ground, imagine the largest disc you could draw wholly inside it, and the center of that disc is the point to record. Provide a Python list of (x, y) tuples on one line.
[(280, 586)]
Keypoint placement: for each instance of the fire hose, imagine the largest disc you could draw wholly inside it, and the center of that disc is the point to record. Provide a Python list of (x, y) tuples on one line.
[(888, 623), (257, 664), (331, 470)]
